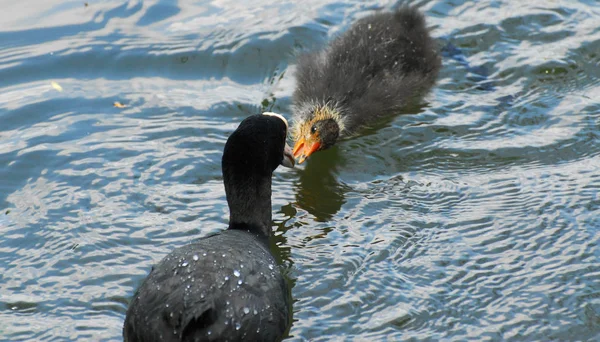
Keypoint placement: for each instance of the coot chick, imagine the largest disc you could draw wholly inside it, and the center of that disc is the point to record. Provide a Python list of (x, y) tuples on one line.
[(382, 63), (226, 286)]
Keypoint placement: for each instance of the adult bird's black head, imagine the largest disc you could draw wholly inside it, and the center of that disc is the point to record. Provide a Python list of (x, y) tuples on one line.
[(251, 155)]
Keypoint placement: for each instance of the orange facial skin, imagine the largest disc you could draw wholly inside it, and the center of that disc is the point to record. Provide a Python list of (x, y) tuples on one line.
[(317, 133), (306, 147)]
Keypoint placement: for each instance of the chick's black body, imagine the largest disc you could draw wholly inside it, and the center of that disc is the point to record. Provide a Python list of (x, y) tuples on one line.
[(227, 286), (379, 65)]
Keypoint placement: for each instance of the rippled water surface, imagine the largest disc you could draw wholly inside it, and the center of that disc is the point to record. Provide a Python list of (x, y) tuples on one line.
[(473, 217)]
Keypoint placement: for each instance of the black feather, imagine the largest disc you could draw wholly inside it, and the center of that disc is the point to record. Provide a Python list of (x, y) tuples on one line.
[(382, 63)]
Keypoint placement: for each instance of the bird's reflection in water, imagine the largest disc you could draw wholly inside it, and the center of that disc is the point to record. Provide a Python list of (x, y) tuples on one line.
[(278, 242), (319, 192)]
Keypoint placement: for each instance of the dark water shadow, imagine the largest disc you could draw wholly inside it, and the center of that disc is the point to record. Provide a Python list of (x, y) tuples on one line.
[(319, 191), (283, 255)]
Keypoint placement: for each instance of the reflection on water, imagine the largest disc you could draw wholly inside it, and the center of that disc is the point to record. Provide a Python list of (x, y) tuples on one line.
[(472, 216), (318, 190)]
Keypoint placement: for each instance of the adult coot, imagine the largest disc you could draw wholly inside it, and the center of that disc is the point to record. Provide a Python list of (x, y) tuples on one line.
[(226, 286), (383, 62)]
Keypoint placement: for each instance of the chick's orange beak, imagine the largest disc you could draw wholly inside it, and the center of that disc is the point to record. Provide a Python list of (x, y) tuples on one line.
[(305, 148)]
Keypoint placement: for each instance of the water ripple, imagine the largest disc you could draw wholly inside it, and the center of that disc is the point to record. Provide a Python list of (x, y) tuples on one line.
[(473, 216)]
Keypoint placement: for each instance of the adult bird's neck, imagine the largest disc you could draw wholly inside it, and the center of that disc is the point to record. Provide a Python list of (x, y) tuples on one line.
[(249, 199)]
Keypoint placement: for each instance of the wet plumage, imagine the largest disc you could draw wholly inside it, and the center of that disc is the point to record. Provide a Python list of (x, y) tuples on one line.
[(382, 63)]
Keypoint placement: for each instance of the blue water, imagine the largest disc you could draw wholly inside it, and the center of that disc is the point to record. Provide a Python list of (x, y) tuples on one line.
[(474, 217)]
